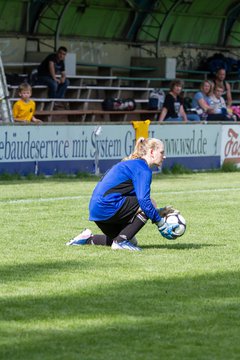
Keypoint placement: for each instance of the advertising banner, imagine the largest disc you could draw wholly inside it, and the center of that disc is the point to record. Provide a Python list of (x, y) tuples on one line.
[(63, 148), (80, 148), (48, 143), (230, 148), (196, 146)]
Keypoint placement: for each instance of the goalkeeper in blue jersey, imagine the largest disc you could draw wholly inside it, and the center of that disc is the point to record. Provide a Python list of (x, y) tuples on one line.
[(121, 205)]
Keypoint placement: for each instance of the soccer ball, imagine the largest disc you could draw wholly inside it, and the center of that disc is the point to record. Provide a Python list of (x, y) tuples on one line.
[(175, 218)]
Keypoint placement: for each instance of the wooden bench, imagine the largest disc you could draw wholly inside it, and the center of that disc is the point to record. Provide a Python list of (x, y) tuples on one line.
[(105, 74), (49, 104), (117, 92), (198, 74), (91, 91), (95, 91), (20, 67), (48, 108), (113, 69), (99, 69), (154, 81), (37, 91), (97, 115), (81, 80)]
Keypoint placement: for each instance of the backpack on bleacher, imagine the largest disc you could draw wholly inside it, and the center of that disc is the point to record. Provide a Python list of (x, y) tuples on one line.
[(110, 104), (156, 99), (128, 104)]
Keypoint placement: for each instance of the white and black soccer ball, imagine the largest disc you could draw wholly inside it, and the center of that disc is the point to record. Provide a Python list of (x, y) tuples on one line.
[(175, 218)]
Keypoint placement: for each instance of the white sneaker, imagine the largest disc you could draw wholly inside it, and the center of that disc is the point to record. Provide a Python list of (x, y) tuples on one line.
[(81, 239), (124, 245)]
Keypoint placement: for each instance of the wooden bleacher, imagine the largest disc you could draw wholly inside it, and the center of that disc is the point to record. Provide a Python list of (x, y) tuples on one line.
[(97, 115), (84, 97), (86, 93), (87, 109), (103, 70)]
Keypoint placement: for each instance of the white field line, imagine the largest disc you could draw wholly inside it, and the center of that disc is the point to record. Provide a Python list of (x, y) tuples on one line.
[(28, 201), (63, 198)]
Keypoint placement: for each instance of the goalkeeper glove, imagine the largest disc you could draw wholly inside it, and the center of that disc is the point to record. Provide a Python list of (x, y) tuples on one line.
[(167, 210), (166, 230)]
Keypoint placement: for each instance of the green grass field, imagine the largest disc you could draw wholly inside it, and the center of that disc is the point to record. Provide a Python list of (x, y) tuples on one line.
[(173, 300)]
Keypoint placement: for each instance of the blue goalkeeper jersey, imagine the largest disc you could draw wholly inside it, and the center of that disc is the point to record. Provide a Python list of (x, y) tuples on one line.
[(127, 178)]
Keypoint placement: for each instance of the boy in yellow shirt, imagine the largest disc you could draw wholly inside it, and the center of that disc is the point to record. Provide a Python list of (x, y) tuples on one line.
[(24, 109)]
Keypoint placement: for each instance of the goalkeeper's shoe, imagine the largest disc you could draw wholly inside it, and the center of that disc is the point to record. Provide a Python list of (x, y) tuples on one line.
[(134, 241), (124, 245), (81, 239)]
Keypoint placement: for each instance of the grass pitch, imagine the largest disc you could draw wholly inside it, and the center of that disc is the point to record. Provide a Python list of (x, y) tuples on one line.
[(174, 300)]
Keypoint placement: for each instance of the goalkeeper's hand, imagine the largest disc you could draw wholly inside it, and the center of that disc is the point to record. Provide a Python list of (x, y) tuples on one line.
[(166, 230), (167, 210)]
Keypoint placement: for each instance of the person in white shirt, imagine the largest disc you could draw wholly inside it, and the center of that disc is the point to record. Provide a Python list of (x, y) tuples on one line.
[(218, 102), (220, 109)]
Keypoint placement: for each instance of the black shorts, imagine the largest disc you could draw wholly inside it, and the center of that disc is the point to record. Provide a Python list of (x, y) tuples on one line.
[(125, 215)]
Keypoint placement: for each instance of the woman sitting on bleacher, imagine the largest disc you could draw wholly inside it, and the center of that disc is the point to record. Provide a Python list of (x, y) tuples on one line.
[(173, 109), (202, 101)]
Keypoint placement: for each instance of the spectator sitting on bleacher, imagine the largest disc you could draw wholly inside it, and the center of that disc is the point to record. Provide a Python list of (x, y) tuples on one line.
[(219, 80), (220, 109), (50, 69), (173, 109), (24, 109), (202, 99)]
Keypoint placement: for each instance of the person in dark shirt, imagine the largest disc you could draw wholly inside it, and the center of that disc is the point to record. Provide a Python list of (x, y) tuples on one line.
[(121, 205), (220, 80), (51, 72), (173, 109)]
